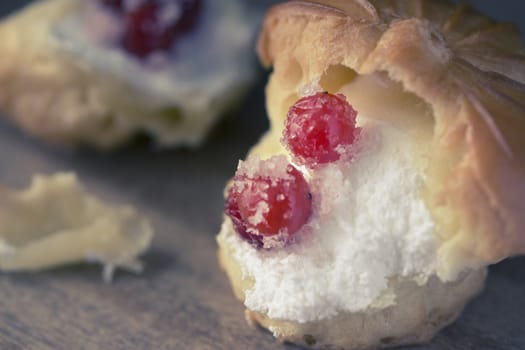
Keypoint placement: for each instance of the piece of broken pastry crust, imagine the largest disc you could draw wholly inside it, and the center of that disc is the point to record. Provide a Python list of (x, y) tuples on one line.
[(440, 64), (56, 222)]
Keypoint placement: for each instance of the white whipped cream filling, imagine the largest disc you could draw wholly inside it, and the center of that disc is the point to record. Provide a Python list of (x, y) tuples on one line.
[(370, 225), (216, 54)]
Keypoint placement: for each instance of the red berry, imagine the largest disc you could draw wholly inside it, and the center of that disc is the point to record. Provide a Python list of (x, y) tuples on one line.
[(232, 210), (319, 127), (268, 198), (155, 24)]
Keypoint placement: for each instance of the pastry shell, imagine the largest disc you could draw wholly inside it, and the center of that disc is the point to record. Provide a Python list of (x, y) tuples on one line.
[(467, 69)]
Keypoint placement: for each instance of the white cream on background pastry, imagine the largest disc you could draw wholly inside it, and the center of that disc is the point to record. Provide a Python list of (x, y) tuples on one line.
[(67, 76), (428, 191)]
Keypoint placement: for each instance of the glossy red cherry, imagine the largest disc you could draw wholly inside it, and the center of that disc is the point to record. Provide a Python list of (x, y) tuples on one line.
[(268, 198), (319, 127)]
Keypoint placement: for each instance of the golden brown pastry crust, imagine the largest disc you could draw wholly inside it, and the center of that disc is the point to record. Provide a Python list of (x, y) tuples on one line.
[(467, 68)]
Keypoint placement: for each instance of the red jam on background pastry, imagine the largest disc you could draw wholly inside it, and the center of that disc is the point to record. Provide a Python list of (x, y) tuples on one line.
[(402, 122), (97, 72)]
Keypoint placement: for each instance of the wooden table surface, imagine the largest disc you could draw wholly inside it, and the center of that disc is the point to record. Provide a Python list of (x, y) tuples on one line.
[(182, 300)]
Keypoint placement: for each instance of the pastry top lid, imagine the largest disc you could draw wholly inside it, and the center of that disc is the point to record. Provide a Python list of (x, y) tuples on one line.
[(470, 71)]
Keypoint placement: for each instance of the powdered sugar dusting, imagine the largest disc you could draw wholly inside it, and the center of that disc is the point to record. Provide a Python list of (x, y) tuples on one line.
[(254, 166), (258, 217), (311, 88), (370, 224)]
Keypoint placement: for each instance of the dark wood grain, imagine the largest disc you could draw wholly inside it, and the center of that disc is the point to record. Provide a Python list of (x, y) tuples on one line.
[(183, 300)]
